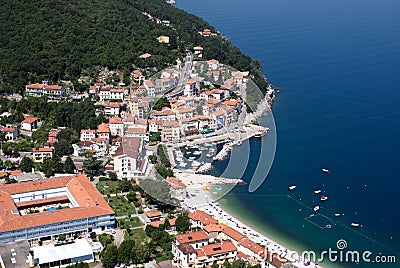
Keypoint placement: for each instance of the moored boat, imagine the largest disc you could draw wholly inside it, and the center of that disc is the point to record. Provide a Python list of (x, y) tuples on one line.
[(316, 208), (292, 187), (317, 191), (324, 198), (355, 224)]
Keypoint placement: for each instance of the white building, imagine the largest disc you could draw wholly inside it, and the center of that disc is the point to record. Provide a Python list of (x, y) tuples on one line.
[(116, 126), (87, 134), (130, 158)]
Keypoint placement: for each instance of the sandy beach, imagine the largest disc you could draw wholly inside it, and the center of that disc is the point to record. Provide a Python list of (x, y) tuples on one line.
[(198, 189)]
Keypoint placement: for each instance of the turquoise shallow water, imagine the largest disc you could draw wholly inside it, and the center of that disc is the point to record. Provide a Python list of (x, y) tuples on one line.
[(337, 64)]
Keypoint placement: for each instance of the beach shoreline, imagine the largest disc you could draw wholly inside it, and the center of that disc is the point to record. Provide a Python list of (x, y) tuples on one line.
[(199, 189)]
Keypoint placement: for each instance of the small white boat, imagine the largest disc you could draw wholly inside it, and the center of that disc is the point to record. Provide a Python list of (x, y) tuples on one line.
[(292, 187), (317, 191), (324, 198), (197, 153), (355, 224), (338, 214), (182, 164), (260, 133), (316, 208), (192, 157), (325, 170)]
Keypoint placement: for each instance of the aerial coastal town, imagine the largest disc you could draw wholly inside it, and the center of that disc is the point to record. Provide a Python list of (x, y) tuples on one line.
[(131, 191)]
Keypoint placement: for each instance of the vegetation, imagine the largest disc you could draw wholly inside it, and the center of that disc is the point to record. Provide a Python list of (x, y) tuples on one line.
[(93, 167), (182, 223), (80, 35), (26, 164), (121, 206), (157, 192), (161, 151)]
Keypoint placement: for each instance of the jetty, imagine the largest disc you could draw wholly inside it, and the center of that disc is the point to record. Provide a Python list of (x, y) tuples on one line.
[(225, 151)]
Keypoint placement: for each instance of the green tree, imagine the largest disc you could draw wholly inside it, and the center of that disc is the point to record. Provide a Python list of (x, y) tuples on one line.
[(40, 136), (125, 185), (8, 164), (26, 164), (153, 158), (112, 176), (109, 257), (125, 251), (51, 165), (63, 147), (69, 166), (131, 196), (93, 167), (141, 253), (182, 223)]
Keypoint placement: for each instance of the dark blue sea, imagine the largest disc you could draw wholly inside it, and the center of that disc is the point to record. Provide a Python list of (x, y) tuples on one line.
[(337, 64)]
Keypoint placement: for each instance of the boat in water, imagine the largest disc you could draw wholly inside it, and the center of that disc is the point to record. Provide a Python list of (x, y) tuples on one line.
[(261, 132), (338, 214), (316, 208), (325, 170), (317, 191), (355, 224), (292, 187), (324, 198)]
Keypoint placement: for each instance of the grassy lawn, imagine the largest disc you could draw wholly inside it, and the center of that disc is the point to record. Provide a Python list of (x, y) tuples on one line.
[(136, 234), (121, 206), (107, 187), (133, 222)]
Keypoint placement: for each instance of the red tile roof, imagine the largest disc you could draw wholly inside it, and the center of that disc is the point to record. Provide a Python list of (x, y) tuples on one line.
[(30, 119), (103, 128), (232, 233), (115, 120), (90, 202), (191, 237), (42, 150), (203, 217), (153, 214), (217, 248)]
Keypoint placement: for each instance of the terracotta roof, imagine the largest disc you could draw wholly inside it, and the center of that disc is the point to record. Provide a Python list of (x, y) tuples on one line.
[(145, 55), (174, 182), (232, 233), (53, 87), (158, 223), (15, 172), (54, 132), (42, 150), (8, 129), (112, 104), (219, 112), (191, 237), (164, 111), (171, 123), (153, 214), (213, 228), (157, 122), (90, 202), (252, 246), (148, 83), (115, 120), (30, 119), (203, 217), (185, 110), (218, 248), (136, 130), (186, 248), (36, 86), (103, 128)]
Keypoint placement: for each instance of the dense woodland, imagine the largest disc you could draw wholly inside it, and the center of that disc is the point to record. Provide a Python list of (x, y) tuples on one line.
[(56, 39)]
